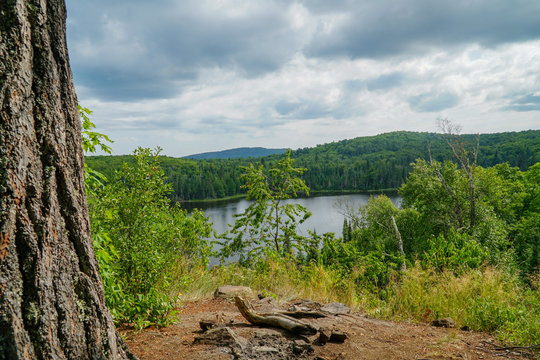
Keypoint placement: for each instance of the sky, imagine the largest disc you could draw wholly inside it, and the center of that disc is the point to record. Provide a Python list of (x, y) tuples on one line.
[(207, 75)]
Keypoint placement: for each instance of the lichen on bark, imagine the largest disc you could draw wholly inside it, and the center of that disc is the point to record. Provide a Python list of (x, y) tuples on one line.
[(52, 304)]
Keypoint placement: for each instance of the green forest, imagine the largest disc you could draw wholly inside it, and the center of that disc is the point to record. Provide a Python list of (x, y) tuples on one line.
[(366, 163), (464, 243)]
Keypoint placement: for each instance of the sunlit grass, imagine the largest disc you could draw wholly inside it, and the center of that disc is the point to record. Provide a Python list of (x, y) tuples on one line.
[(487, 299)]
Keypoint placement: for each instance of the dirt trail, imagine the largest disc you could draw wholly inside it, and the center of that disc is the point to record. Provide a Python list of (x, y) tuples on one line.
[(367, 339)]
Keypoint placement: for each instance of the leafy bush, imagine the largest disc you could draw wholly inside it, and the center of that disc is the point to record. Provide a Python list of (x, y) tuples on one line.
[(336, 253), (377, 271), (454, 252), (145, 237), (525, 329)]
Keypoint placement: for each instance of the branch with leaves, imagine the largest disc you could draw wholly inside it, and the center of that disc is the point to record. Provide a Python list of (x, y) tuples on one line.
[(268, 224)]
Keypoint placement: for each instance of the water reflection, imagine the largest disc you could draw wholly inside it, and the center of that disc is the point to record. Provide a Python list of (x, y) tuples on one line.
[(327, 211)]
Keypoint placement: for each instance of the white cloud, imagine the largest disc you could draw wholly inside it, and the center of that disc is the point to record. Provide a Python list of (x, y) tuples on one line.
[(242, 77)]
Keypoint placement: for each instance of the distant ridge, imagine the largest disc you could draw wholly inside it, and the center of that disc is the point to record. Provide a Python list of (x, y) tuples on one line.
[(237, 153), (354, 165)]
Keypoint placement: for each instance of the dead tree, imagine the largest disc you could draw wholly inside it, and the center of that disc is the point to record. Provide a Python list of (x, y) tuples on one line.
[(273, 319), (399, 241), (467, 160), (52, 304)]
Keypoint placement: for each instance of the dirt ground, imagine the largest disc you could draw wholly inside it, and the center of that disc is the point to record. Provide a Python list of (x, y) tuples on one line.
[(367, 339)]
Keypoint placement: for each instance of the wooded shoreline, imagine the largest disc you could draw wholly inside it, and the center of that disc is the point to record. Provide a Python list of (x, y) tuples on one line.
[(349, 166), (319, 193)]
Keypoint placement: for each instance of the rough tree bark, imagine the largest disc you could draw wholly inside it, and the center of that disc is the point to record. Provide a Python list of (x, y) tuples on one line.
[(52, 304)]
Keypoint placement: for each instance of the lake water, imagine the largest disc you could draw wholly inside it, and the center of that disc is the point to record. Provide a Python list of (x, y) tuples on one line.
[(327, 211)]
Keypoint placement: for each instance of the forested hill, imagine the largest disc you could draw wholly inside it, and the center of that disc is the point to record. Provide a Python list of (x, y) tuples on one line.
[(238, 153), (364, 163)]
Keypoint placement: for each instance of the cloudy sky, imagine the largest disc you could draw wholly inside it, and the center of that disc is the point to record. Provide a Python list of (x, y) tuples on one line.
[(206, 75)]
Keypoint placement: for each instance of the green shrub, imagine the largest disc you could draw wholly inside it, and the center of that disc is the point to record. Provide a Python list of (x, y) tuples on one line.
[(338, 254), (140, 238), (377, 271), (454, 252)]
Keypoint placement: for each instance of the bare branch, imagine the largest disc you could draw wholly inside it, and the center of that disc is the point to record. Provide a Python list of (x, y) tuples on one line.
[(400, 244)]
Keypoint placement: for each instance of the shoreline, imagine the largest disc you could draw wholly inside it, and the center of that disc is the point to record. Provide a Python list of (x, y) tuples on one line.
[(315, 193)]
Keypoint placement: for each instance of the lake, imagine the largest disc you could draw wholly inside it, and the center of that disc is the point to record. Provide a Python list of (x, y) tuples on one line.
[(327, 211)]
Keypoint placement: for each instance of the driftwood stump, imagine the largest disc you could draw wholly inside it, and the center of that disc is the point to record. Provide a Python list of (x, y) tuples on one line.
[(273, 319)]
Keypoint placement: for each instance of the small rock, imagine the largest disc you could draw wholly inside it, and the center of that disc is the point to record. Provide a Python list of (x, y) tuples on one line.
[(324, 336), (267, 334), (207, 324), (229, 292), (267, 304), (445, 322), (266, 300), (265, 349), (300, 346), (222, 336), (310, 304), (336, 308), (338, 336)]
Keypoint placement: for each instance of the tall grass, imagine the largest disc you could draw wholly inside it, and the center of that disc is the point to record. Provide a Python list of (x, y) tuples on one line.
[(283, 279), (486, 299)]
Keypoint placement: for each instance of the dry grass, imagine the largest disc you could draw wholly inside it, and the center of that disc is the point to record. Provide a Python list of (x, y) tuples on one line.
[(284, 281), (485, 300)]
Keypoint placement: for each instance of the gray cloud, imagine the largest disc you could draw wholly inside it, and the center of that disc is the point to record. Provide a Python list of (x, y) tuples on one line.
[(386, 81), (119, 49), (112, 84), (122, 50), (386, 28), (433, 103), (529, 102), (313, 110), (285, 107), (355, 85), (310, 109), (218, 125), (140, 124), (182, 73), (304, 109)]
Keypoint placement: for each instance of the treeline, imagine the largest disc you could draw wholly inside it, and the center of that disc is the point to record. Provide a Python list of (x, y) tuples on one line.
[(360, 164)]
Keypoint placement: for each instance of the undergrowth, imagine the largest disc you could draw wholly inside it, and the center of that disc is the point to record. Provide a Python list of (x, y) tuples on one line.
[(485, 299)]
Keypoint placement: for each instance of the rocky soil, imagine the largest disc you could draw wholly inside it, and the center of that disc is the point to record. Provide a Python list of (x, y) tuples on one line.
[(234, 338)]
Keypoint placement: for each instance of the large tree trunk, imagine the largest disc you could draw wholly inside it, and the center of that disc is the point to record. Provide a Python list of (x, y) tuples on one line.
[(52, 304)]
